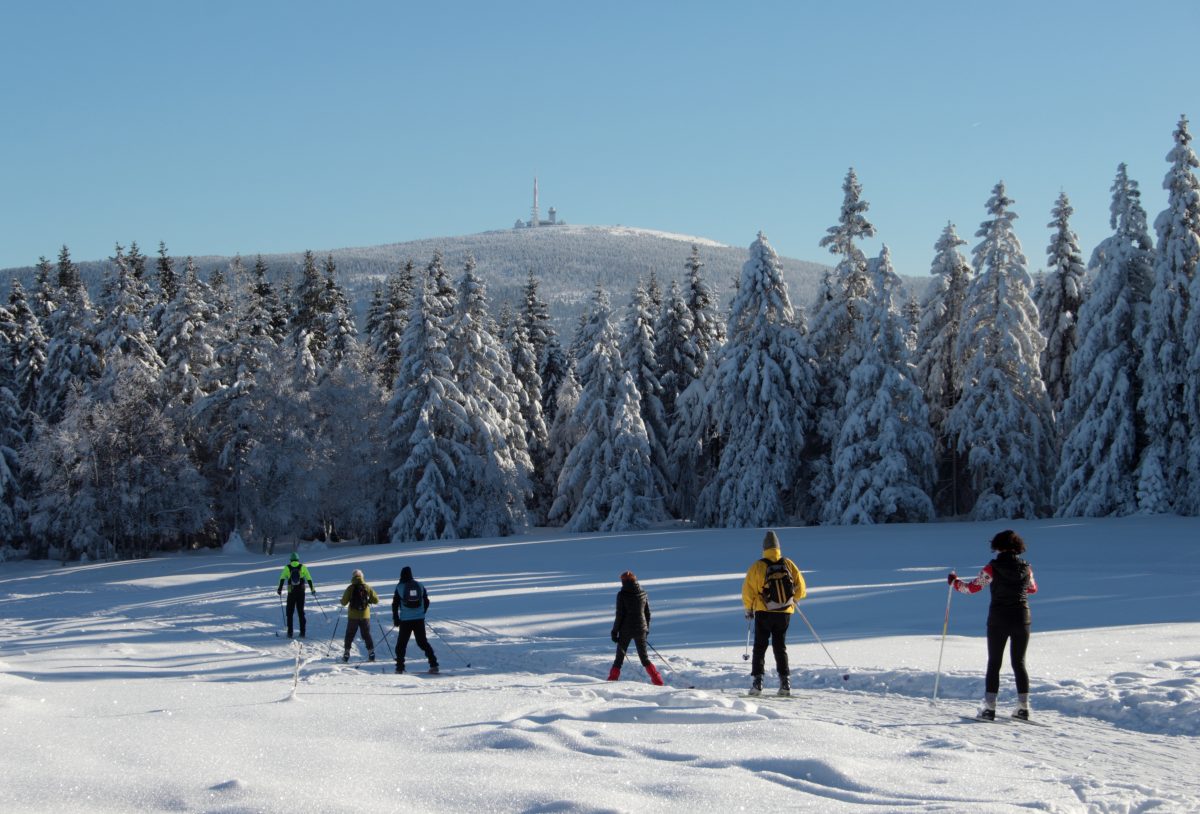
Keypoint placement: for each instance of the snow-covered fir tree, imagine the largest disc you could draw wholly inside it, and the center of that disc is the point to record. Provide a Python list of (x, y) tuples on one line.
[(675, 350), (267, 315), (73, 360), (1172, 327), (1179, 240), (883, 456), (1103, 432), (534, 314), (495, 476), (611, 460), (562, 436), (760, 402), (639, 358), (1059, 297), (185, 343), (529, 400), (706, 317), (341, 334), (28, 348), (833, 331), (937, 362), (426, 420), (121, 332), (388, 328), (1002, 421)]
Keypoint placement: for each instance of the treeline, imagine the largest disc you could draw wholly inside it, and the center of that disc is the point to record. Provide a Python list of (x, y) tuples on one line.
[(175, 410)]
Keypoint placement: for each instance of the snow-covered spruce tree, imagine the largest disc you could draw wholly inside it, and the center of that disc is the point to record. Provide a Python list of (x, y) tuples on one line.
[(640, 361), (1058, 303), (534, 314), (116, 480), (121, 332), (427, 419), (267, 315), (73, 360), (496, 474), (1002, 421), (611, 460), (341, 334), (1103, 433), (760, 402), (1168, 395), (529, 402), (706, 317), (675, 350), (28, 348), (13, 506), (883, 456), (1179, 238), (44, 296), (389, 327), (563, 434), (185, 343), (937, 362), (833, 333)]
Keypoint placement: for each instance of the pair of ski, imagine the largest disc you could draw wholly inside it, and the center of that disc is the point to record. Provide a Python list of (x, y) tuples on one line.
[(1005, 720)]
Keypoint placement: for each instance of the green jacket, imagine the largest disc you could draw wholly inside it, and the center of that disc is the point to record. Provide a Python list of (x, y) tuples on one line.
[(286, 573), (372, 599)]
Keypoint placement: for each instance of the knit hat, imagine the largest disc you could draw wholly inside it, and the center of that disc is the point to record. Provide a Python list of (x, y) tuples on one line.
[(295, 557), (770, 541), (406, 574), (357, 575), (628, 576)]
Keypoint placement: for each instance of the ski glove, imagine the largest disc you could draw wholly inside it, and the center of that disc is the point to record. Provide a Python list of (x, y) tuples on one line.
[(749, 614), (951, 577), (614, 635), (279, 590)]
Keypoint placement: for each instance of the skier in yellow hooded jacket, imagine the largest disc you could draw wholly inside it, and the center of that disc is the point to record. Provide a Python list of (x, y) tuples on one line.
[(772, 587)]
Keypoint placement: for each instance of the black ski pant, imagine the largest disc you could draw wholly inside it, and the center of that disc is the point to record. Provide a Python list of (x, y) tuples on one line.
[(999, 633), (416, 629), (295, 605), (355, 625), (639, 641), (770, 627)]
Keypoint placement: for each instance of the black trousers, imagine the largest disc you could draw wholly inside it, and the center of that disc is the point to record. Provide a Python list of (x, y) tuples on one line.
[(355, 625), (295, 604), (416, 629), (999, 633), (623, 640), (770, 627)]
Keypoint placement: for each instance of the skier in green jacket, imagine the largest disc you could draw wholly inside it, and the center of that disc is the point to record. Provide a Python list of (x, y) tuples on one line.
[(294, 575)]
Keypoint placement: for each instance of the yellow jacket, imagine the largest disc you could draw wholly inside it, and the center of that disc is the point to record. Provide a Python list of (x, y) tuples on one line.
[(372, 599), (753, 584)]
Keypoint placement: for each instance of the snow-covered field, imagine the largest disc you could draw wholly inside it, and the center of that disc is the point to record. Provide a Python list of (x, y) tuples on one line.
[(163, 685)]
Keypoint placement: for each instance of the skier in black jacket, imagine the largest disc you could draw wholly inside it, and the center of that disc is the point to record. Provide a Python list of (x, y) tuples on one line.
[(1011, 580), (632, 623)]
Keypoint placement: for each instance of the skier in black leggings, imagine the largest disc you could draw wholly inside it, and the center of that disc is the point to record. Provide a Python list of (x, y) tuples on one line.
[(1011, 581)]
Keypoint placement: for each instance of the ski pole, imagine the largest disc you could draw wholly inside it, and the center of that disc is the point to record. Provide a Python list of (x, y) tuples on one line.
[(746, 654), (385, 637), (945, 625), (333, 635), (320, 607), (845, 676), (448, 647), (670, 666), (282, 610)]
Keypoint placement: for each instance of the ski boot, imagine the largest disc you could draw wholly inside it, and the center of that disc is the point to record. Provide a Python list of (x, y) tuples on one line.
[(756, 686), (785, 686), (987, 714), (614, 674), (371, 655), (1021, 713), (433, 668), (655, 678), (399, 668), (345, 655)]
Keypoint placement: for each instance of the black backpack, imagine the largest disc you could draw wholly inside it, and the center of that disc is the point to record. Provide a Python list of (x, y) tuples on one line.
[(410, 595), (294, 575), (779, 589), (359, 596)]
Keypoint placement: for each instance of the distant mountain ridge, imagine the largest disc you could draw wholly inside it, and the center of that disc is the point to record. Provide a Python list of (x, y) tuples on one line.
[(568, 261)]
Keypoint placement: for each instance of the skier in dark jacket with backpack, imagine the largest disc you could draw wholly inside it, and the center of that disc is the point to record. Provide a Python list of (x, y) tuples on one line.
[(632, 624), (294, 575), (410, 603), (1011, 581), (769, 593), (359, 597)]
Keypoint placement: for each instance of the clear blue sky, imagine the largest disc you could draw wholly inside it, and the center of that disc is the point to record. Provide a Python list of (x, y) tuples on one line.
[(267, 126)]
